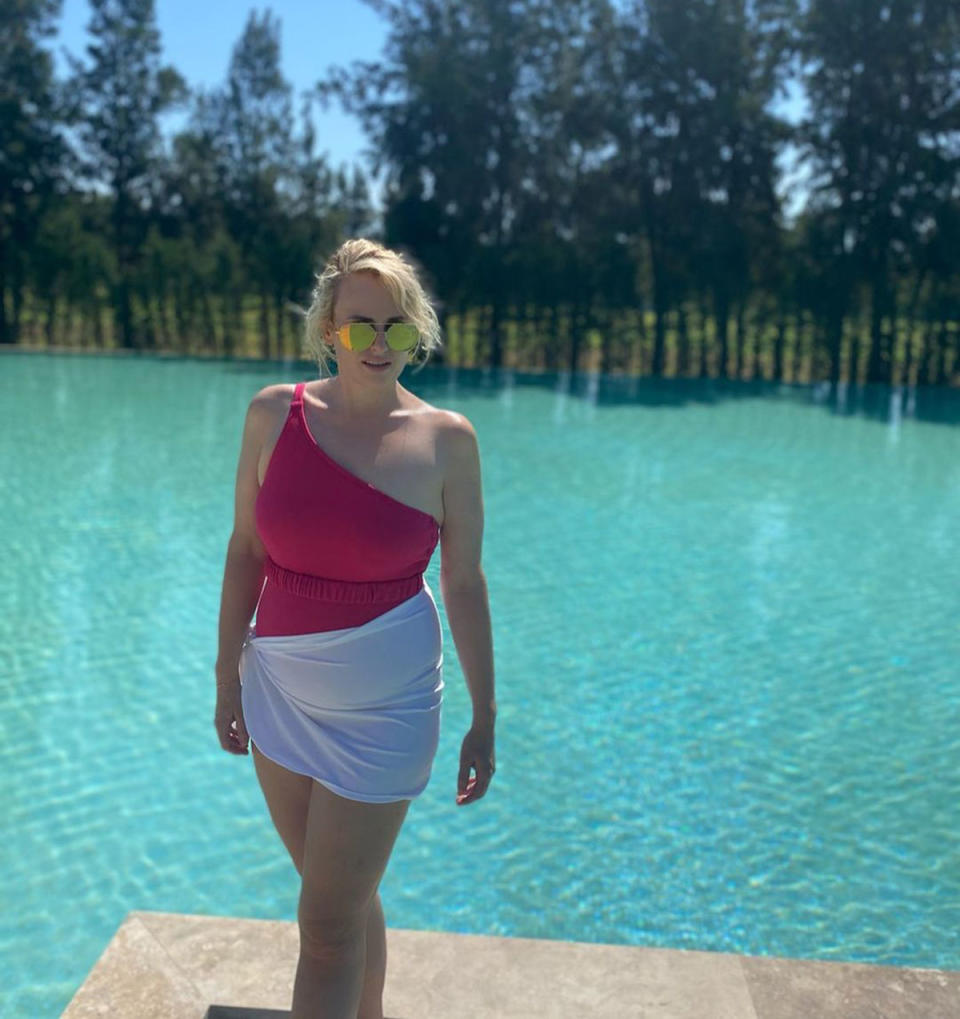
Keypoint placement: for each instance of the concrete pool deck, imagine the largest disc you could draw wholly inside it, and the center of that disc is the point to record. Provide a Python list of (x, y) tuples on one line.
[(178, 966)]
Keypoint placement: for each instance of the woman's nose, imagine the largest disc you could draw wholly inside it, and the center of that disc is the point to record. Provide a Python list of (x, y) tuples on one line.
[(380, 340)]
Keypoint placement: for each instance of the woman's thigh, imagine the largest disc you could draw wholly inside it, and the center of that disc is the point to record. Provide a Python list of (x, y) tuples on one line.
[(346, 851), (288, 800)]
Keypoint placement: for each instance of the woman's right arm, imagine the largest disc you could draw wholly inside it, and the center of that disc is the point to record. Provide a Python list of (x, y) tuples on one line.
[(244, 570)]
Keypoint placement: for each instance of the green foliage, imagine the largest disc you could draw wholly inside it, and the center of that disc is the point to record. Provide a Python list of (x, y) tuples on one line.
[(881, 139), (587, 184), (31, 150), (119, 94)]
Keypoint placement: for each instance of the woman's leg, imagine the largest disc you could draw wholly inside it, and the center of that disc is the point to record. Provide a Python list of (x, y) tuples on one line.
[(287, 795), (288, 798), (346, 851), (375, 972)]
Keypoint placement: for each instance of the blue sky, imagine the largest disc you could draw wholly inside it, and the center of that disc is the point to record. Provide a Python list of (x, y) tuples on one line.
[(198, 37)]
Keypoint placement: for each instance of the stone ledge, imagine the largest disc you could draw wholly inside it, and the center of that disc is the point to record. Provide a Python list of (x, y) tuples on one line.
[(171, 965)]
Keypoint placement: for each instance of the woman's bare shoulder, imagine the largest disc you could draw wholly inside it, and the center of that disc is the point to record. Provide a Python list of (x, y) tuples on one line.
[(452, 433), (271, 401), (442, 421), (275, 393)]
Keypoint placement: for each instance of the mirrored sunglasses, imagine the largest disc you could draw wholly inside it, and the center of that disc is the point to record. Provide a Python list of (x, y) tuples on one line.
[(357, 336)]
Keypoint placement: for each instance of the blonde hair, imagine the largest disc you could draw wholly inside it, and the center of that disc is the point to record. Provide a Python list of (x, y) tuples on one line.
[(399, 274)]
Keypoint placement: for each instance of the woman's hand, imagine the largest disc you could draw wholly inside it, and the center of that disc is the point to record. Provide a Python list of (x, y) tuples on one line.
[(476, 752), (228, 718)]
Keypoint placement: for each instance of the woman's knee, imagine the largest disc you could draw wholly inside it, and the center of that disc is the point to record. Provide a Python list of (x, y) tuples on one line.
[(346, 851), (328, 929)]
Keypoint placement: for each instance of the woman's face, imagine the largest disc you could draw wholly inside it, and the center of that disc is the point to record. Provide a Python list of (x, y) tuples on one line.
[(363, 298)]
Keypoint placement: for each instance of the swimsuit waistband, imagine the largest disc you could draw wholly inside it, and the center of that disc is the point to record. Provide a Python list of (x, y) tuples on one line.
[(420, 605), (353, 592)]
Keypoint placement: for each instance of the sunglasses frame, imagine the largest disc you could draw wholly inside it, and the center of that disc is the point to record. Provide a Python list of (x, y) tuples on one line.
[(344, 333)]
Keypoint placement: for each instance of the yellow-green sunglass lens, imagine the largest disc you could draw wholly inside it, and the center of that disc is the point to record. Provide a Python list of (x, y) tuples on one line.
[(402, 336), (357, 336)]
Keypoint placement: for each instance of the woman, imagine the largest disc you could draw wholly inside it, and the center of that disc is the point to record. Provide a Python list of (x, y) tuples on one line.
[(345, 485)]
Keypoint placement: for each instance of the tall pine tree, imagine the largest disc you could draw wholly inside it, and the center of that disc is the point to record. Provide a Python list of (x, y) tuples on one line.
[(121, 91)]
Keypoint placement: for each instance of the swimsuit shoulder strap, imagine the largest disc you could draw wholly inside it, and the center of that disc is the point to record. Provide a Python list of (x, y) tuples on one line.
[(297, 394)]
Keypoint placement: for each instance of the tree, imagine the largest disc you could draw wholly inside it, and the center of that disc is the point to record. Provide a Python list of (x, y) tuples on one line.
[(31, 148), (444, 110), (883, 141), (696, 147), (253, 117), (120, 94)]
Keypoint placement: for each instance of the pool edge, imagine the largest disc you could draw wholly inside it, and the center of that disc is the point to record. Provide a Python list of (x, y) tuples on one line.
[(168, 965)]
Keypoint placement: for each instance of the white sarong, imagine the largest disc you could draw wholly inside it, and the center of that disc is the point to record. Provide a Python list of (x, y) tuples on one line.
[(357, 709)]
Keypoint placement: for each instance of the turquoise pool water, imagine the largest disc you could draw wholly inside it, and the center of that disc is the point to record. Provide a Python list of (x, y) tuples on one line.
[(727, 641)]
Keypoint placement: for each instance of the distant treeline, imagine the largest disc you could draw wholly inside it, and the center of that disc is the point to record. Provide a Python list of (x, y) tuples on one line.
[(587, 184)]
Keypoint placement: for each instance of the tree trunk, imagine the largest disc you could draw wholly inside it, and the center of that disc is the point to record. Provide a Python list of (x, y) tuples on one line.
[(156, 311), (493, 334), (722, 305), (659, 329), (266, 344), (643, 341), (931, 346), (98, 325), (880, 362), (5, 333), (209, 322), (737, 370), (610, 343), (702, 367), (921, 354), (942, 351), (235, 313), (779, 345), (17, 285), (684, 367), (278, 316), (170, 318), (149, 318), (835, 344), (911, 358), (550, 339), (51, 318), (123, 318), (181, 318), (530, 338), (576, 338)]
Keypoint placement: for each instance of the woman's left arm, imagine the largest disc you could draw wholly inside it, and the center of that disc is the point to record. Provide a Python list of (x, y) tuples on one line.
[(464, 589)]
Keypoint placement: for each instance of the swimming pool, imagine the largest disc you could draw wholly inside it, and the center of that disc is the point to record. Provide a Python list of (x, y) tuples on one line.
[(727, 645)]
